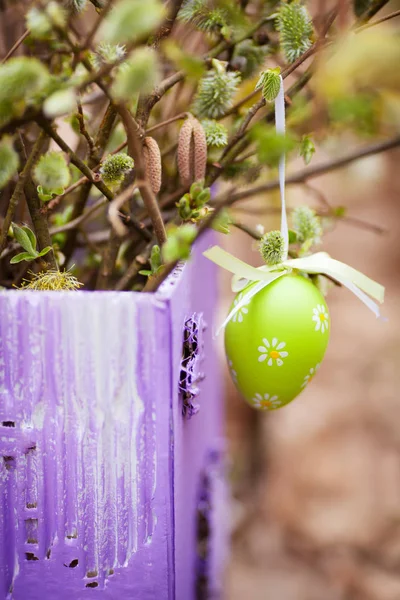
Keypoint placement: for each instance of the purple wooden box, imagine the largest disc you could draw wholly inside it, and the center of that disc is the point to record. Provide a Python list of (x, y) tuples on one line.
[(111, 484)]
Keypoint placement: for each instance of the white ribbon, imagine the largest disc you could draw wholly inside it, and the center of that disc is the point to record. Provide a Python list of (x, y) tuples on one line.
[(280, 128)]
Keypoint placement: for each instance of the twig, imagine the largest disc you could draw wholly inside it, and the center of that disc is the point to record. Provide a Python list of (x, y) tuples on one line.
[(16, 45), (135, 150), (371, 11), (164, 123), (303, 175), (90, 36), (113, 211), (82, 127), (109, 257), (19, 189), (134, 268), (392, 15), (79, 220), (246, 229)]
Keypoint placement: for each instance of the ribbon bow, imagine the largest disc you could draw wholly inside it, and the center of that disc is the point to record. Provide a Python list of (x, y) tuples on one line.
[(359, 284)]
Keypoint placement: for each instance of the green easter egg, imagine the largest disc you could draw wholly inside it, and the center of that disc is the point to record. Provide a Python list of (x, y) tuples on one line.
[(276, 342)]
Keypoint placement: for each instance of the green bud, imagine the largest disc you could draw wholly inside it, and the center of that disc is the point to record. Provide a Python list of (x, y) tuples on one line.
[(131, 19), (179, 242), (115, 167), (187, 233), (60, 103), (307, 225), (196, 188), (140, 74), (20, 79), (271, 247), (269, 83), (155, 258), (52, 172), (184, 208), (216, 133), (203, 198), (9, 161), (57, 14), (222, 222), (307, 148), (38, 23)]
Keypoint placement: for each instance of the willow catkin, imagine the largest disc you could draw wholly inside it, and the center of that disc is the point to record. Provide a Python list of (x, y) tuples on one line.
[(192, 151), (152, 159)]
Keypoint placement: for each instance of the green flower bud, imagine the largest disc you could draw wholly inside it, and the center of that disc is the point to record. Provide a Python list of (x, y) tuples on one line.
[(195, 189), (155, 258), (203, 198), (52, 172), (307, 225), (216, 91), (179, 242), (271, 247), (184, 208), (140, 73), (115, 167), (9, 161), (20, 79), (131, 19), (216, 133)]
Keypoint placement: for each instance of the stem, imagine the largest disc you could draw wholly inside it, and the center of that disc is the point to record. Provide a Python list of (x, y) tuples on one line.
[(39, 221), (16, 45), (372, 10), (109, 257), (392, 15), (19, 189), (136, 265), (318, 170)]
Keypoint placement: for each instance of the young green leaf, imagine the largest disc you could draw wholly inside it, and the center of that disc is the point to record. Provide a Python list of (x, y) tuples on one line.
[(28, 242), (9, 161), (269, 83), (20, 257), (307, 148), (45, 251), (31, 236)]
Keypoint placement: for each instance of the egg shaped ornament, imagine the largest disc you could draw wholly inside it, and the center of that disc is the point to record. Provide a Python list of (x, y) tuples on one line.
[(276, 342)]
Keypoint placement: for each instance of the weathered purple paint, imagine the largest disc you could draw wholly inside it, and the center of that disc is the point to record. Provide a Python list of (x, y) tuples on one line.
[(101, 475)]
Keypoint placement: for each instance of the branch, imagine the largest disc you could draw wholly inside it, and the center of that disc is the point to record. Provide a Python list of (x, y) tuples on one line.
[(372, 10), (305, 174), (16, 45), (19, 189), (392, 15)]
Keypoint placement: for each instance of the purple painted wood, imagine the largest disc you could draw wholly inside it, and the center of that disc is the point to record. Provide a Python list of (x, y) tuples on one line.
[(106, 487)]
